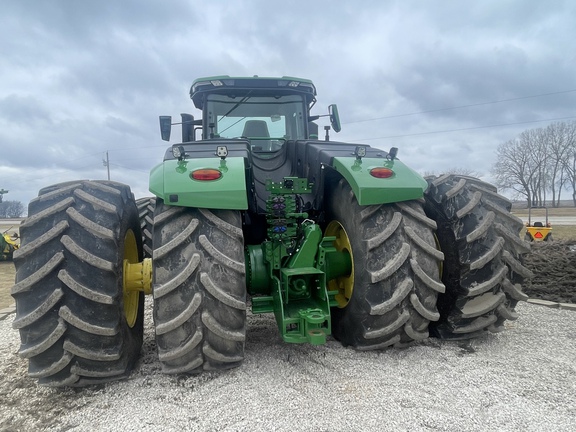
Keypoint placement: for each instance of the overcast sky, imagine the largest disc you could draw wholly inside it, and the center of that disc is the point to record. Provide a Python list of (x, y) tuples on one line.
[(433, 78)]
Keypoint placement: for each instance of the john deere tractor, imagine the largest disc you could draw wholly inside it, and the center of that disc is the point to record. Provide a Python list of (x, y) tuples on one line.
[(254, 211), (8, 244)]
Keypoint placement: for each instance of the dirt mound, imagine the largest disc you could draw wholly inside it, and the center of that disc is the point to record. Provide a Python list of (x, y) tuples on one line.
[(554, 267)]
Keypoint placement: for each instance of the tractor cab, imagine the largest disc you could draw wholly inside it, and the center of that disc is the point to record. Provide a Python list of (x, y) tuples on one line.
[(538, 230), (266, 111), (259, 119)]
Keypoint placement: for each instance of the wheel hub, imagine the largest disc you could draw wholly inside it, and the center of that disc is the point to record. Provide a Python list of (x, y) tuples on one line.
[(137, 277), (343, 284)]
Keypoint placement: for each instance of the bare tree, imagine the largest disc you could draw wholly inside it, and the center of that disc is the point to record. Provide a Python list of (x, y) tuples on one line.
[(455, 170), (569, 164), (557, 146), (535, 142), (539, 161), (11, 209), (514, 168)]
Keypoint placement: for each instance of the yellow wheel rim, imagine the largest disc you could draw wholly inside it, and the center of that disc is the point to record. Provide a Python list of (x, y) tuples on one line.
[(344, 284), (131, 297)]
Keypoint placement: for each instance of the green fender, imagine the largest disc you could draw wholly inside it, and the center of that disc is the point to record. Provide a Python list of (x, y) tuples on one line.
[(171, 180), (405, 184)]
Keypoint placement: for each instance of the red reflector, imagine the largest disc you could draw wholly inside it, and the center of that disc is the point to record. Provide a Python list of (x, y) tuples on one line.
[(381, 172), (207, 174), (538, 234)]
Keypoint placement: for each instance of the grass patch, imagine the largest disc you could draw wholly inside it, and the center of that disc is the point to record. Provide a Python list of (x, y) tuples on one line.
[(7, 274), (564, 232), (562, 211)]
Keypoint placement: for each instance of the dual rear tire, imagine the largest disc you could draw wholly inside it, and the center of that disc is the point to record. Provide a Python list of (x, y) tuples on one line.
[(396, 271), (449, 265), (199, 288), (483, 268), (77, 323)]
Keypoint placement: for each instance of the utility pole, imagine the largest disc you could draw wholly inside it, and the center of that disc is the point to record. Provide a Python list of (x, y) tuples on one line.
[(106, 163)]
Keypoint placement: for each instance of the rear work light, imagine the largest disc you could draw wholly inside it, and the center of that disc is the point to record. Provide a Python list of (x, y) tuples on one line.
[(205, 174), (381, 172)]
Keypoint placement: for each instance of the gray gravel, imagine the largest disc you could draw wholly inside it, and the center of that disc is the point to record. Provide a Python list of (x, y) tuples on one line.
[(521, 379)]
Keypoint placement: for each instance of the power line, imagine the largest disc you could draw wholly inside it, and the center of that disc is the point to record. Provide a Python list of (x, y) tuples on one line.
[(460, 106), (131, 169), (463, 129)]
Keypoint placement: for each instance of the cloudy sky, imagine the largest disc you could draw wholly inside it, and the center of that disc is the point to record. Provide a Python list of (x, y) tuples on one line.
[(444, 81)]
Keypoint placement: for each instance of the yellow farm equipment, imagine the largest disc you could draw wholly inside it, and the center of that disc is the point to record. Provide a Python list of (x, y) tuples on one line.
[(538, 230), (8, 245)]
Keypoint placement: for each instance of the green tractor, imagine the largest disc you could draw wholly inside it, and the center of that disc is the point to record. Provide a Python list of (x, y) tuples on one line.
[(252, 211), (8, 244)]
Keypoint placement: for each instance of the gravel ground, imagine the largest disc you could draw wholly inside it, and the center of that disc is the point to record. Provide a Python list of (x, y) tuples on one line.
[(520, 379)]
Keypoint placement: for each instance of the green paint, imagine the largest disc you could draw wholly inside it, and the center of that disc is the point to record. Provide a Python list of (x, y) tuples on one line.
[(287, 273), (333, 263), (406, 184), (171, 180), (7, 247), (305, 254)]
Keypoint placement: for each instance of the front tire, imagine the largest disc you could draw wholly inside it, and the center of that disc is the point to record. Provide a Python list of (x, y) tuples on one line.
[(483, 256), (199, 288), (77, 325), (390, 296)]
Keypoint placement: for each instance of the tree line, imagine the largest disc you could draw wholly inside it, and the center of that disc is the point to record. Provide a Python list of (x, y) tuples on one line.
[(539, 165), (11, 209)]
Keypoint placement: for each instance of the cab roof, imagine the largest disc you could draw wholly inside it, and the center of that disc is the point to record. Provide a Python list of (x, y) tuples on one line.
[(257, 86)]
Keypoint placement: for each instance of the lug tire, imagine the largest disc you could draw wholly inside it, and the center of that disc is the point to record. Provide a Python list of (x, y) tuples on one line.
[(199, 288), (396, 272), (483, 252), (146, 215), (69, 288)]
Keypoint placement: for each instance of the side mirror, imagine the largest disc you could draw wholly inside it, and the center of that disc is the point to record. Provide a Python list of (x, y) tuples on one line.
[(165, 127), (334, 118)]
